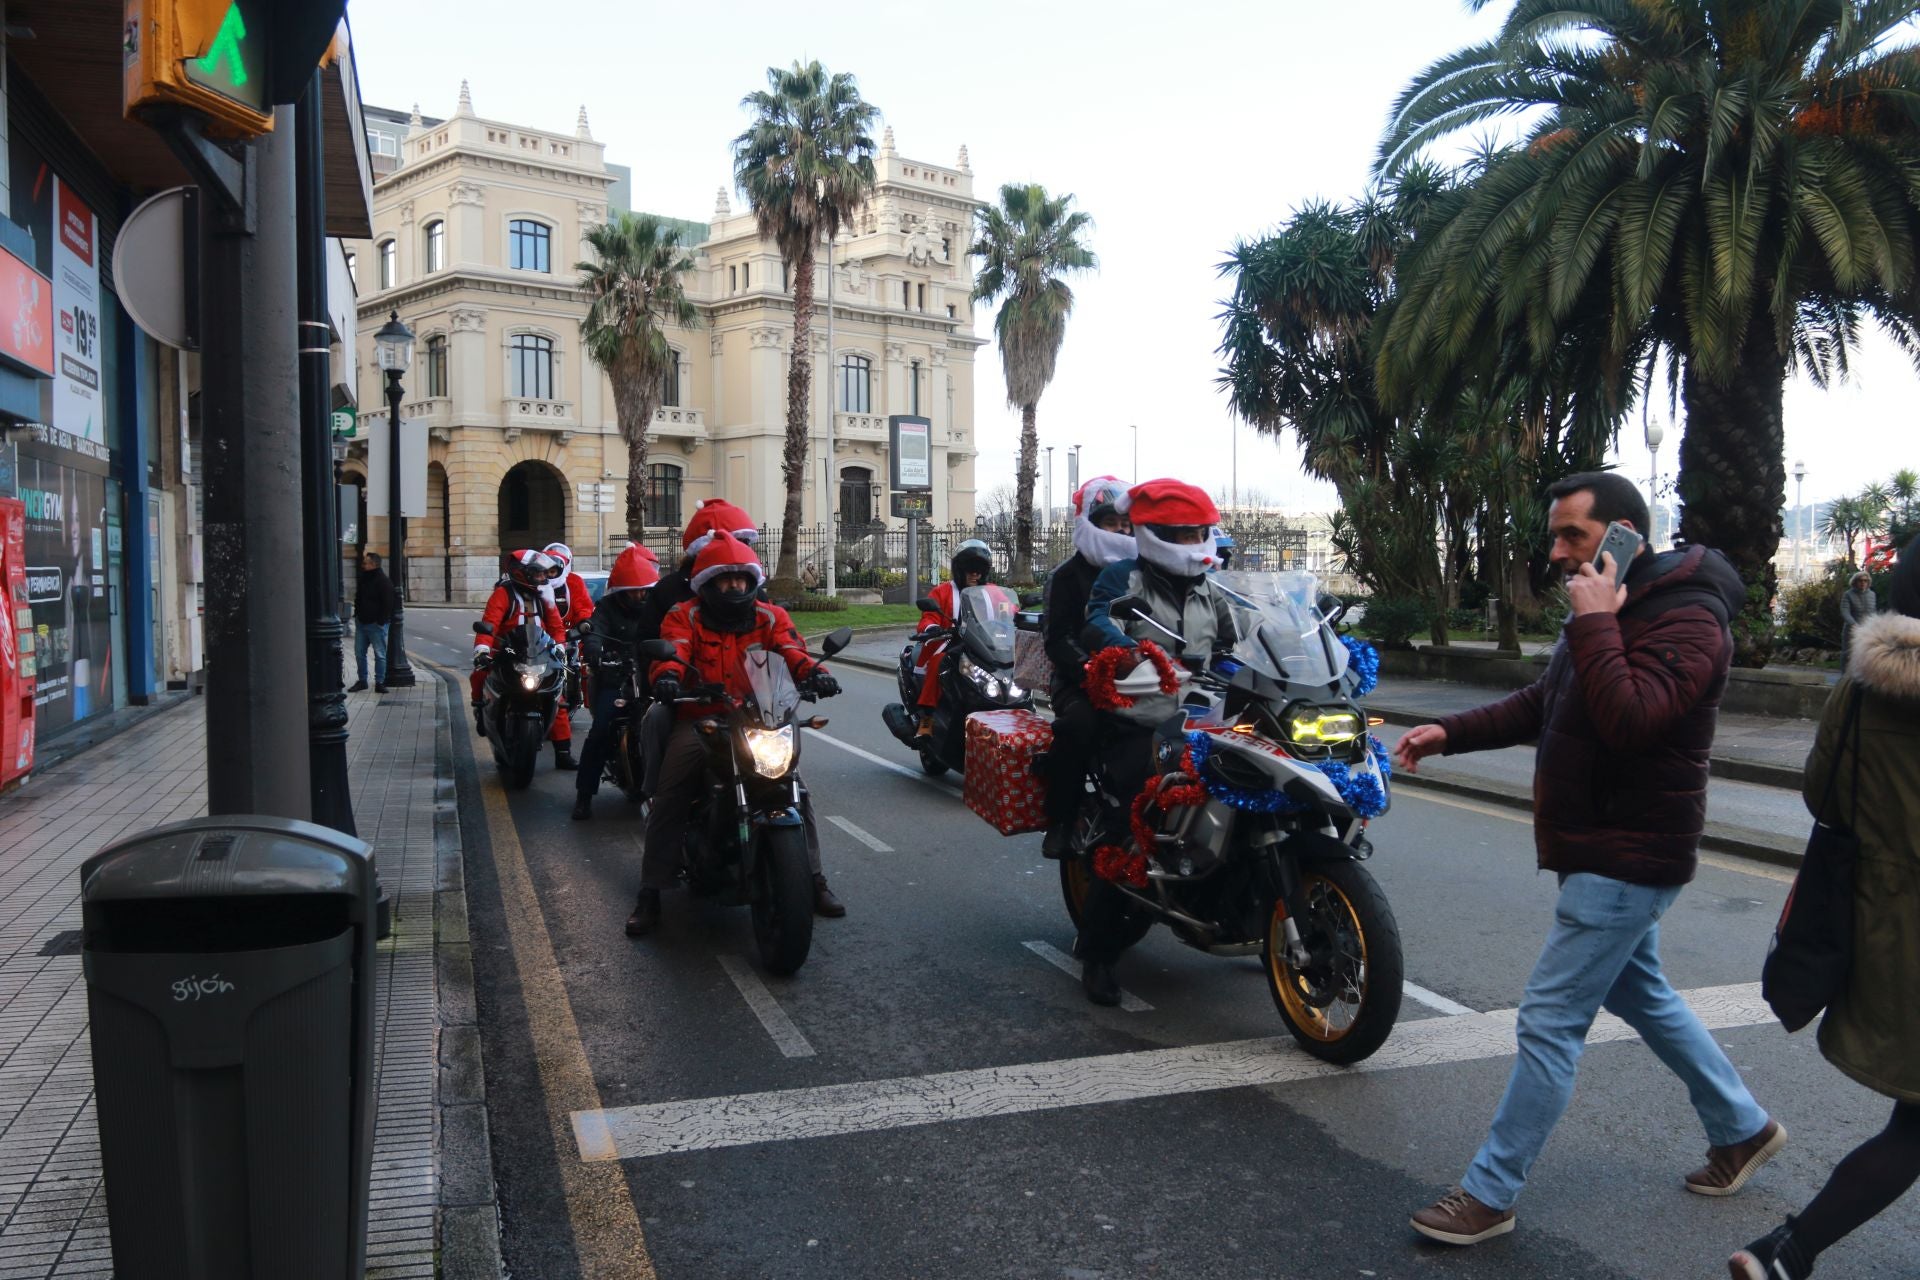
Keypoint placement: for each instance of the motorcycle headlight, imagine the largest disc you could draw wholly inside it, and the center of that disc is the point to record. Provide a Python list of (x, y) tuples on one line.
[(1317, 726), (1016, 690), (772, 750), (529, 681)]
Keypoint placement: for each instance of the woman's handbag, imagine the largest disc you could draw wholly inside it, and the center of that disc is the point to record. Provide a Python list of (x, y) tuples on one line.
[(1812, 949)]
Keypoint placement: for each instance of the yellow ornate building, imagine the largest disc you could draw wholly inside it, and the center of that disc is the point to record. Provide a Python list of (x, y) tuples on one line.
[(477, 232)]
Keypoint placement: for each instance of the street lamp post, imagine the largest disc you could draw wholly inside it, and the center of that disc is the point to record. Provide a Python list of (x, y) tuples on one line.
[(1073, 470), (1135, 428), (395, 343), (1799, 477), (1655, 434), (1046, 503)]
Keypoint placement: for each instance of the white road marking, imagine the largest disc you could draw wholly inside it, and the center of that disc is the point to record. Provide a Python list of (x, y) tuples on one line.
[(872, 842), (785, 1035), (1068, 965), (1435, 1001), (1745, 867), (703, 1124), (883, 762)]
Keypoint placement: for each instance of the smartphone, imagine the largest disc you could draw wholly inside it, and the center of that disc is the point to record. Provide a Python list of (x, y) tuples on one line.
[(1624, 544)]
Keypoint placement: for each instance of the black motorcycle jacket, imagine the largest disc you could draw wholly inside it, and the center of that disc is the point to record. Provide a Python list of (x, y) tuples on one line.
[(611, 636), (1068, 587)]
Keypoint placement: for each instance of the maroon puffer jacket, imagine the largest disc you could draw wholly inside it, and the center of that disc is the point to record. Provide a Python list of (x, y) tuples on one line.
[(1624, 716)]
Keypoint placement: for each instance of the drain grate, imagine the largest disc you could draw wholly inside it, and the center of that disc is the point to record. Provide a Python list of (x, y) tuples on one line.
[(64, 943)]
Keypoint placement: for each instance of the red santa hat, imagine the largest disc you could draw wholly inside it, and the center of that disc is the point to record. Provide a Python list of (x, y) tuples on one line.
[(1168, 502), (1101, 491), (717, 515), (634, 569), (725, 554)]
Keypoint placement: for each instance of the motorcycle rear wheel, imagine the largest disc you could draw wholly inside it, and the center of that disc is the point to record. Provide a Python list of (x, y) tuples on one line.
[(1076, 878), (783, 900), (1342, 1007)]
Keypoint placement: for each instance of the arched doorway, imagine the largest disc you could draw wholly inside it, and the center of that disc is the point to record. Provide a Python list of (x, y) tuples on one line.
[(533, 507)]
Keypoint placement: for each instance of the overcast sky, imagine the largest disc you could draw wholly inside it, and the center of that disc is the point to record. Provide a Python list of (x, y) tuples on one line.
[(1179, 128)]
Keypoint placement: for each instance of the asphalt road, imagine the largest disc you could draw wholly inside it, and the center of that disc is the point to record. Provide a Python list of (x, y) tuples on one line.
[(740, 1125)]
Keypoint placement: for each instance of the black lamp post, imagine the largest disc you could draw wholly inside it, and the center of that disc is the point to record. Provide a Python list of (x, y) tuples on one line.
[(395, 343)]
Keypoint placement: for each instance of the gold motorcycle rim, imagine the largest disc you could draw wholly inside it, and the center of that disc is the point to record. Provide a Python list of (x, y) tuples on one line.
[(1326, 910)]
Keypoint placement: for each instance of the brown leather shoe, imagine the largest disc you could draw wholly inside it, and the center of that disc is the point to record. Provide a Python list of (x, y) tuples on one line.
[(646, 914), (1728, 1168), (1458, 1218), (824, 903)]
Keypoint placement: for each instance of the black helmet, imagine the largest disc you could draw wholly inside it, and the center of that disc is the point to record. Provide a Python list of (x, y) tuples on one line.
[(972, 556)]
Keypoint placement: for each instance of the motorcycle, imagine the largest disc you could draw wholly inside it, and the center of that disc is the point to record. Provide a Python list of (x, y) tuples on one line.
[(977, 675), (1254, 827), (521, 696), (746, 839), (626, 765)]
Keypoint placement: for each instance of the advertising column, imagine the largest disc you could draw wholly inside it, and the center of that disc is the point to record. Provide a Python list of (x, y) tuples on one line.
[(77, 403)]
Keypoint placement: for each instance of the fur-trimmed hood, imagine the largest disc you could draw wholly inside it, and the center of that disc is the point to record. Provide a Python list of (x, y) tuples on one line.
[(1886, 655)]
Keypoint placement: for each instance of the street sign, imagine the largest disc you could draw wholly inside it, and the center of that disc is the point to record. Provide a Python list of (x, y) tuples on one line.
[(913, 506), (413, 467), (156, 260), (910, 451), (344, 422), (597, 498)]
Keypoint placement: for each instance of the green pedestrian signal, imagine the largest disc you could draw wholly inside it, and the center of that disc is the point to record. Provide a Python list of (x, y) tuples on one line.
[(226, 49), (234, 65)]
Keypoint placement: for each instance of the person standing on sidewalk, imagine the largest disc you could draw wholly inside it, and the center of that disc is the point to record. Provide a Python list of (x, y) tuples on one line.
[(1625, 717), (1857, 604), (1872, 1032), (373, 604)]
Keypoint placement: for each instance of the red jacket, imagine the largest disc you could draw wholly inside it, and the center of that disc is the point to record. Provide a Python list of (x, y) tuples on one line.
[(1625, 717), (943, 595), (507, 607), (579, 606), (709, 655)]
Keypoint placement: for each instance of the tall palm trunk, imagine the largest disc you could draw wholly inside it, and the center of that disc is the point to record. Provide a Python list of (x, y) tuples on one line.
[(1733, 477), (1023, 496), (799, 414), (635, 397)]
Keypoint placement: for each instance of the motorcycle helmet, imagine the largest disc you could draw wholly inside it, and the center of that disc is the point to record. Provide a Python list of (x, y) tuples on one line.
[(527, 568), (560, 552), (727, 577), (717, 515), (1173, 525), (971, 556), (1097, 500), (1224, 546)]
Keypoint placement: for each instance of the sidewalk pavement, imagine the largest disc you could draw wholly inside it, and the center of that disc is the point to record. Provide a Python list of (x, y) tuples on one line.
[(1753, 801), (53, 1214)]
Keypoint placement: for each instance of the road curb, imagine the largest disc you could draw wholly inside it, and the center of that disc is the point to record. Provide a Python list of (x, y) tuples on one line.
[(469, 1197)]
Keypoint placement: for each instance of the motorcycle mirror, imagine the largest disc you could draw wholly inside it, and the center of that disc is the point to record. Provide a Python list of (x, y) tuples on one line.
[(836, 641), (656, 650), (1032, 600), (1331, 607), (925, 604), (1127, 607), (483, 628)]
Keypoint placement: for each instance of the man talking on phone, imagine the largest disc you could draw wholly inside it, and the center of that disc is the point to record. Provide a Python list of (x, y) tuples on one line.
[(1624, 716)]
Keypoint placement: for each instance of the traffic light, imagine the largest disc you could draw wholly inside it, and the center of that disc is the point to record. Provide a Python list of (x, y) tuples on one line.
[(230, 60)]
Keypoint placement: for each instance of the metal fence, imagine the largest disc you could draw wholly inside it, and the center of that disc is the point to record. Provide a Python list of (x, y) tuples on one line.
[(875, 557)]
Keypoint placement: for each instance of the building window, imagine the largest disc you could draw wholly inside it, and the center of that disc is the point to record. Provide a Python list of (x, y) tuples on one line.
[(950, 311), (382, 144), (746, 275), (663, 496), (436, 246), (529, 245), (353, 269), (532, 366), (913, 389), (856, 496), (921, 291), (733, 279), (946, 248), (786, 286), (389, 263), (906, 296), (856, 384), (670, 382), (437, 365)]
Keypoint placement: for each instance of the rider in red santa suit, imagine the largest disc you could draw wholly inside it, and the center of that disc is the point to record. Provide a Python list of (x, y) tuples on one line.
[(972, 565), (519, 592), (567, 590)]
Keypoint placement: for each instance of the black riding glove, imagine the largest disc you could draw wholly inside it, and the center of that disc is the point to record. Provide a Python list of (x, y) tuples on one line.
[(482, 659), (666, 689), (824, 685)]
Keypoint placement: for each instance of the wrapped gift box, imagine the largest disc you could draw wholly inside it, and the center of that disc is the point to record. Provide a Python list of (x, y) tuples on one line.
[(1000, 782), (1031, 667)]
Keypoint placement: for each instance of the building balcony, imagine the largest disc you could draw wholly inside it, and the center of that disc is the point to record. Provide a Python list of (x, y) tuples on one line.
[(520, 413), (860, 426), (685, 427)]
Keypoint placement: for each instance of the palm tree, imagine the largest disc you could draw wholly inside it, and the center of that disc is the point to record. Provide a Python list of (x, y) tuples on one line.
[(1726, 185), (635, 286), (1026, 244), (1905, 520), (1846, 519), (806, 165)]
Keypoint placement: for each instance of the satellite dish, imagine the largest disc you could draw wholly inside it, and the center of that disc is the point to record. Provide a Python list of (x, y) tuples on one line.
[(156, 263)]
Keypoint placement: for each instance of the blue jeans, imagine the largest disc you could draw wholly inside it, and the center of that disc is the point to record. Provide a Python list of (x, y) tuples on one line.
[(1603, 951), (372, 634)]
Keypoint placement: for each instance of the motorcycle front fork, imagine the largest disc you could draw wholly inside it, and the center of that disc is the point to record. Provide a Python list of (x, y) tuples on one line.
[(1287, 874)]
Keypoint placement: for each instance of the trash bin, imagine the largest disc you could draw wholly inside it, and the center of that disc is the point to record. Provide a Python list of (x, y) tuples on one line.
[(229, 966)]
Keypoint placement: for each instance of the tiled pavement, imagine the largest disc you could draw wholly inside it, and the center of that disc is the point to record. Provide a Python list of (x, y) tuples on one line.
[(52, 1208)]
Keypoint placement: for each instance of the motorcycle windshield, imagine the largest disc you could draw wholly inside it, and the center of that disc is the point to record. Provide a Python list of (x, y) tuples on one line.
[(774, 695), (1281, 633), (988, 620)]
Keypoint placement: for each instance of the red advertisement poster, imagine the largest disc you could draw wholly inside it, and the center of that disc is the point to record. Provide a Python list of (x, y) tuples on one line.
[(17, 646)]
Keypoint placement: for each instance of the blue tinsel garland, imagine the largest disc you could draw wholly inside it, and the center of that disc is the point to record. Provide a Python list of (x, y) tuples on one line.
[(1366, 793), (1364, 662)]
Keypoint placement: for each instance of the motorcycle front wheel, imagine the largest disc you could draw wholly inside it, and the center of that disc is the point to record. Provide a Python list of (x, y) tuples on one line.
[(931, 764), (1342, 1006), (783, 899), (1076, 878), (523, 753)]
